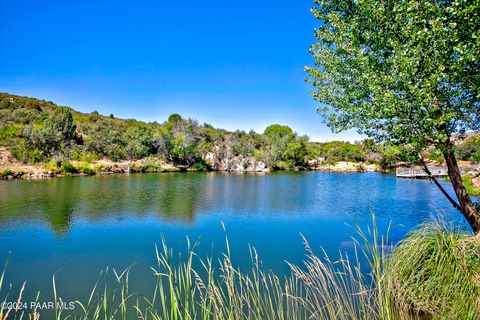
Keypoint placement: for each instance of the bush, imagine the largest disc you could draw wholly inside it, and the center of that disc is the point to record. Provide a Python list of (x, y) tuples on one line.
[(151, 166), (60, 166), (67, 167), (5, 172), (52, 165), (84, 156), (436, 155), (87, 168), (469, 149), (199, 166)]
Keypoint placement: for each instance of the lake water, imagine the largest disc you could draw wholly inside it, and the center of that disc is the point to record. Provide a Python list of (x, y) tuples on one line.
[(77, 226)]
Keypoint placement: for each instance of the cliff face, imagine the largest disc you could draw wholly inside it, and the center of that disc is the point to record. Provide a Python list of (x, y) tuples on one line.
[(224, 158), (234, 164)]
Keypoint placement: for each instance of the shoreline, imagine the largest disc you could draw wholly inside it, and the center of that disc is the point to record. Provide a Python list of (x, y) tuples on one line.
[(37, 172)]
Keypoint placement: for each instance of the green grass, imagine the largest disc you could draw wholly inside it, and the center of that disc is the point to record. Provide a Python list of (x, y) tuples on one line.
[(151, 166), (60, 166), (88, 168), (5, 172), (471, 190), (434, 271)]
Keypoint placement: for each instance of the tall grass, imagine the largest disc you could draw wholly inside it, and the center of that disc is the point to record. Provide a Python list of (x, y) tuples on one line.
[(321, 288), (435, 271)]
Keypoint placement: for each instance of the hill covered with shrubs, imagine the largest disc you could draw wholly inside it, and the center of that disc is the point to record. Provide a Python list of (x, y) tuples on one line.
[(38, 131)]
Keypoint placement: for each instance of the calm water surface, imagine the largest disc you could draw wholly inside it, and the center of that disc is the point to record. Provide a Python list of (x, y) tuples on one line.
[(75, 227)]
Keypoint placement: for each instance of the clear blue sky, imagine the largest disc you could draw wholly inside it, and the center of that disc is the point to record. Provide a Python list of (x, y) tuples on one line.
[(233, 64)]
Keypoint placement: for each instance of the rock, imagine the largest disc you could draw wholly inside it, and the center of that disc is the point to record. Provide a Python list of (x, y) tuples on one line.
[(476, 182), (232, 163)]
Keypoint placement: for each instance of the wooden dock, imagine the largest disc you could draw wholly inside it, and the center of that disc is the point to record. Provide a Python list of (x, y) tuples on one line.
[(419, 172)]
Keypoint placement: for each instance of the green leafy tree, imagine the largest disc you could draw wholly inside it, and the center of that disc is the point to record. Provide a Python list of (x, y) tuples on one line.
[(469, 149), (106, 139), (184, 137), (284, 148), (140, 142), (54, 136), (403, 71), (297, 150), (341, 151), (278, 137)]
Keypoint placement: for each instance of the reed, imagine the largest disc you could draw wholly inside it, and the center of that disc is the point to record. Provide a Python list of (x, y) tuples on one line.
[(194, 287), (435, 272)]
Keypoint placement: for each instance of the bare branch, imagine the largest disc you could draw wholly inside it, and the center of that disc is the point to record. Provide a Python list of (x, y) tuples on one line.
[(435, 181)]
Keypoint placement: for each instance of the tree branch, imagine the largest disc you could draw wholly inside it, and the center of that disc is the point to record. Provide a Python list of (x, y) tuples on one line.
[(435, 181)]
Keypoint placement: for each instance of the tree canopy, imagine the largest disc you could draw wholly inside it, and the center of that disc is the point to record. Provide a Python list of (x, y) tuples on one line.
[(405, 71), (401, 71)]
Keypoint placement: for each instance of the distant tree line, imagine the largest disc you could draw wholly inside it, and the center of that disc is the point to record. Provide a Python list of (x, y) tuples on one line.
[(37, 131)]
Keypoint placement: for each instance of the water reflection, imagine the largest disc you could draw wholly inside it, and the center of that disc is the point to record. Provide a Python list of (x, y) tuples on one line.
[(181, 197), (82, 225)]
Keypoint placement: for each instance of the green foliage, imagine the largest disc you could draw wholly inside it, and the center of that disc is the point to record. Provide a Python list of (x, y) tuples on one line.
[(469, 149), (79, 154), (341, 151), (403, 71), (67, 168), (199, 166), (140, 142), (60, 166), (39, 131), (87, 168), (151, 166), (467, 181), (52, 165), (285, 148), (435, 155), (435, 271), (5, 172), (9, 132), (53, 136)]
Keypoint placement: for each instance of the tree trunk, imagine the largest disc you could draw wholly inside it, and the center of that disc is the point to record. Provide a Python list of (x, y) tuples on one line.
[(466, 206)]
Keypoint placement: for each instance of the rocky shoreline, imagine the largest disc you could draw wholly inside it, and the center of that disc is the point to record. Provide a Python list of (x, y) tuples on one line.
[(34, 172), (11, 168)]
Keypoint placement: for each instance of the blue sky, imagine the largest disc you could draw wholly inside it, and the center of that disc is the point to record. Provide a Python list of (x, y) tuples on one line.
[(233, 64)]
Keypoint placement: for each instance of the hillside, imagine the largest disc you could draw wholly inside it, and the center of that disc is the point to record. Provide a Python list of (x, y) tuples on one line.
[(38, 135)]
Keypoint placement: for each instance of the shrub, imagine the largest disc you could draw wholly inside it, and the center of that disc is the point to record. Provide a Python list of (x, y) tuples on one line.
[(5, 172), (198, 166), (151, 166), (84, 156), (436, 155), (87, 168), (60, 166), (52, 165), (67, 167), (469, 149)]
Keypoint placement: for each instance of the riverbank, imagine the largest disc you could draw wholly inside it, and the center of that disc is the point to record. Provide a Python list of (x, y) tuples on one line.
[(11, 168)]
